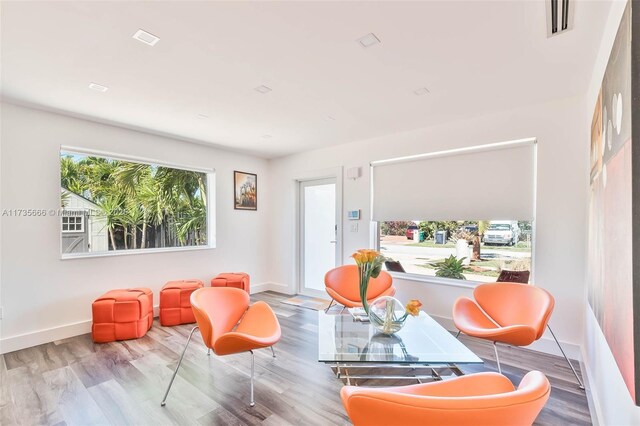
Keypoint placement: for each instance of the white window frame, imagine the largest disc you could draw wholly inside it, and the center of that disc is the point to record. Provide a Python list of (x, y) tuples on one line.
[(68, 231), (211, 203)]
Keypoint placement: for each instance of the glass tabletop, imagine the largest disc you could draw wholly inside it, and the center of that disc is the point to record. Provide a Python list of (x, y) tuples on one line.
[(422, 341)]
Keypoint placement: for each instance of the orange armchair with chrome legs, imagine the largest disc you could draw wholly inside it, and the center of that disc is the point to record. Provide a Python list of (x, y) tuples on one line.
[(343, 285), (510, 313), (476, 399), (229, 325)]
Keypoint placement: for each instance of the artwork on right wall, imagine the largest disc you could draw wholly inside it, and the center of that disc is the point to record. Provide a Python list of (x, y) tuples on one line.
[(614, 212)]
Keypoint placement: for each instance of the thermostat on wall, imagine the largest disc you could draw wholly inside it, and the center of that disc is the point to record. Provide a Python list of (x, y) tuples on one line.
[(353, 214)]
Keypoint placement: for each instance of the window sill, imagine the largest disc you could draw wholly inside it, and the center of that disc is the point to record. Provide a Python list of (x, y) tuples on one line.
[(434, 280), (132, 252)]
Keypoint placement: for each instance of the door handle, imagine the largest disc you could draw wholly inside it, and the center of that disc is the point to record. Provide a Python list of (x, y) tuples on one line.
[(333, 242)]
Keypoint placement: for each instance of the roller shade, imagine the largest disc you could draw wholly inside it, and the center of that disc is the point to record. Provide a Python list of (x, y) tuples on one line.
[(487, 182)]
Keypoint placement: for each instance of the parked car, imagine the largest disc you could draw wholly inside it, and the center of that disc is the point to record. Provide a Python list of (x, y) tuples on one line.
[(471, 229), (502, 233), (410, 229)]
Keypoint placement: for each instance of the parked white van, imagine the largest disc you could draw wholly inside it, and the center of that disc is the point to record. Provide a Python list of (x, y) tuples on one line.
[(502, 232)]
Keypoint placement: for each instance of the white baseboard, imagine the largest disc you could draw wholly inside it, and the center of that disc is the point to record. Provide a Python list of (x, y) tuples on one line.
[(259, 288), (592, 394), (35, 338), (278, 288), (545, 344), (39, 337)]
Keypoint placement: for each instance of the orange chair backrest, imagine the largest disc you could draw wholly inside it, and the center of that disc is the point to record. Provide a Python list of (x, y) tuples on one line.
[(373, 407), (218, 310), (345, 281), (516, 304)]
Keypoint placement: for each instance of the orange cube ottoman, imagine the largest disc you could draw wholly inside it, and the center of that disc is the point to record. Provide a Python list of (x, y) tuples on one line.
[(232, 279), (122, 315), (175, 305)]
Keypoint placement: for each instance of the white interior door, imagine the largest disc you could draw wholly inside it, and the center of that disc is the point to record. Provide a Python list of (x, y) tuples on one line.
[(319, 234)]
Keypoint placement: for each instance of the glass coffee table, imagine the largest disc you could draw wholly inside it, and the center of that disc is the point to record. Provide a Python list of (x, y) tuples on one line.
[(423, 347)]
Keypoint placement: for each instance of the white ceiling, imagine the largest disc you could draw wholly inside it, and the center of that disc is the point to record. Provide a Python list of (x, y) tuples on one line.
[(474, 57)]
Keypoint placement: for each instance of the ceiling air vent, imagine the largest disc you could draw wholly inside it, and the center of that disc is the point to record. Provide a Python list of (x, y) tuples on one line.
[(559, 16)]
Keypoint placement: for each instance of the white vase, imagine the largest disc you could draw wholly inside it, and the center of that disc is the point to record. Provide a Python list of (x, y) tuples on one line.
[(462, 250)]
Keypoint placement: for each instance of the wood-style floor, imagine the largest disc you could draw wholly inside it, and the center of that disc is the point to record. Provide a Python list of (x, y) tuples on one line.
[(77, 382)]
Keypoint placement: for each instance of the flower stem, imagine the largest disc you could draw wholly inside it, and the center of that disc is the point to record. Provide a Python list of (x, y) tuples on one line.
[(388, 317), (365, 275)]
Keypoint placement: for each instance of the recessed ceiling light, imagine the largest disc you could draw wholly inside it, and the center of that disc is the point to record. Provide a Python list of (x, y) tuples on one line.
[(98, 87), (203, 116), (266, 136), (368, 40), (146, 38), (421, 91), (263, 89)]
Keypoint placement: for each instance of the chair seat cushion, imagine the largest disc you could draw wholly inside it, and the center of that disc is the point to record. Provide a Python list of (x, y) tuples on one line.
[(122, 314), (175, 304), (472, 321), (258, 328)]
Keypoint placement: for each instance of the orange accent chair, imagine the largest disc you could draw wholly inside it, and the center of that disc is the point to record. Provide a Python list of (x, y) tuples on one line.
[(232, 279), (229, 325), (343, 285), (122, 315), (476, 399), (510, 313), (175, 305)]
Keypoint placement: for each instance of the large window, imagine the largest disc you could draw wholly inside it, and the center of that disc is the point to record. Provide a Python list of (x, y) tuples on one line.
[(467, 250), (114, 205), (490, 181)]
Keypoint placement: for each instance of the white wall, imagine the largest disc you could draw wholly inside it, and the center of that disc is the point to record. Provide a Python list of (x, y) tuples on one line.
[(45, 298), (561, 130), (612, 404)]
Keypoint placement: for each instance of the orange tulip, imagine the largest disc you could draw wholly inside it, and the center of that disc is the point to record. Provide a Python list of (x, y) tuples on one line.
[(365, 256), (359, 258), (413, 307)]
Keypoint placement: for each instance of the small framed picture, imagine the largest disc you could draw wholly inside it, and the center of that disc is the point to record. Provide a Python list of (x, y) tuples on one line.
[(245, 190)]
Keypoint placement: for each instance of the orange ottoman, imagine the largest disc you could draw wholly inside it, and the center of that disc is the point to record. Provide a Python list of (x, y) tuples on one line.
[(175, 304), (232, 279), (122, 314)]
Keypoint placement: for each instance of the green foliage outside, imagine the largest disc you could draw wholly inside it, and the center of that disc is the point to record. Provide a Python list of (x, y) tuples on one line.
[(429, 227), (395, 228), (450, 267), (451, 226), (144, 205)]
